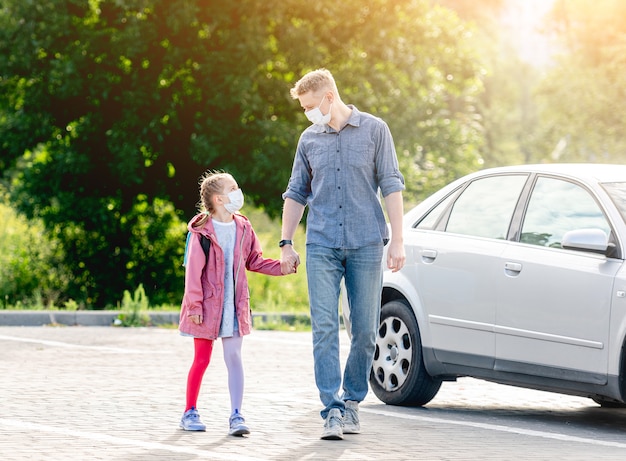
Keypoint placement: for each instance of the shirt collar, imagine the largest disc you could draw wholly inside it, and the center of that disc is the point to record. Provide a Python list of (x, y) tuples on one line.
[(354, 120)]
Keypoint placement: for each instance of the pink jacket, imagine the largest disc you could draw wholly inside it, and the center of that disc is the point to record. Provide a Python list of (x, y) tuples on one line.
[(204, 289)]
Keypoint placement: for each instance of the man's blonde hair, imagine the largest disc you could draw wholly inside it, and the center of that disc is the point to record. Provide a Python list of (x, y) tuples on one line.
[(314, 81)]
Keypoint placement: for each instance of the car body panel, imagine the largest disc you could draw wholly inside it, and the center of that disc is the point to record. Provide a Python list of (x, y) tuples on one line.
[(550, 313), (455, 278)]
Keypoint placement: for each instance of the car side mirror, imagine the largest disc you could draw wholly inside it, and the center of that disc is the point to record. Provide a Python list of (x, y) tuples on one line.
[(592, 240)]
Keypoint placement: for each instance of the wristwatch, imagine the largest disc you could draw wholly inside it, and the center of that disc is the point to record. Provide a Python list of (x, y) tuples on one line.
[(282, 243)]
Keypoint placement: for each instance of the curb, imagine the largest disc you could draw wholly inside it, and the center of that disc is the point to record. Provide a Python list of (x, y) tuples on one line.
[(82, 318), (108, 318)]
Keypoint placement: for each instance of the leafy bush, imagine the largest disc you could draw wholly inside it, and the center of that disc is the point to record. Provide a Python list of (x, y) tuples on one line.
[(134, 309), (31, 271), (32, 275)]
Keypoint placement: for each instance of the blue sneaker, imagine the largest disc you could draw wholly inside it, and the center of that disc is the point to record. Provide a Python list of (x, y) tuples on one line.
[(238, 424), (191, 421)]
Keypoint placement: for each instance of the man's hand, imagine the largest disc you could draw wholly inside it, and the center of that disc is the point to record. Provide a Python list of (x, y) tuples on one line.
[(396, 255)]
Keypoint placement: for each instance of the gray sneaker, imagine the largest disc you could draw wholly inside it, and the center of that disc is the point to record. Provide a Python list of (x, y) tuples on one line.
[(351, 423), (191, 421), (333, 426), (237, 424)]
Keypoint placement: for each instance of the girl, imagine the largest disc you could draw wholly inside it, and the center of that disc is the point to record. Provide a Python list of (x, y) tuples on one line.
[(216, 300)]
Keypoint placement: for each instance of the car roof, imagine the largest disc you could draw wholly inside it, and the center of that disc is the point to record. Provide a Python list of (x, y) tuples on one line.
[(593, 172)]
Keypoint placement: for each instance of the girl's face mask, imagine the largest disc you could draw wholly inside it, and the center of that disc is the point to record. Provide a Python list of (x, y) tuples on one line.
[(316, 117), (236, 201)]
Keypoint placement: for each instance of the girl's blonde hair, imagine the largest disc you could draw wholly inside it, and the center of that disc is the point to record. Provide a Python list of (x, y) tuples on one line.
[(211, 184)]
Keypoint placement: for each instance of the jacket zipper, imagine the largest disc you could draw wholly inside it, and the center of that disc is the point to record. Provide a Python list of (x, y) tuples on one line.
[(243, 235)]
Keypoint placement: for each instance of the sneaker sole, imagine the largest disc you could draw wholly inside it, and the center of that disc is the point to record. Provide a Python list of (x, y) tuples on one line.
[(332, 437), (193, 430), (239, 433)]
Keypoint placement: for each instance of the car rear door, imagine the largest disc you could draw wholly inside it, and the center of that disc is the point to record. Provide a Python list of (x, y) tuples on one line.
[(456, 252), (554, 304)]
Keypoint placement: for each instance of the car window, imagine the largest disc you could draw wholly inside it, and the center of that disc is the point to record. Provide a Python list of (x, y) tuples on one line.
[(485, 207), (430, 221), (558, 206)]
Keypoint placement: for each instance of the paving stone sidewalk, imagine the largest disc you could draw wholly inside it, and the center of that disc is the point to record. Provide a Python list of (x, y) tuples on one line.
[(106, 393)]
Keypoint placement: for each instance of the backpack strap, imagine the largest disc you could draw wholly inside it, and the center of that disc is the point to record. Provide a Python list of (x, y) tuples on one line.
[(206, 244), (204, 241)]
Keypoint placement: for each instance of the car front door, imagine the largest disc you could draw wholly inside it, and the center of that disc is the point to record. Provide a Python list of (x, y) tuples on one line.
[(554, 304)]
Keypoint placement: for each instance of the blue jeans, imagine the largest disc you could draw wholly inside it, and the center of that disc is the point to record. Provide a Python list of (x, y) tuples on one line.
[(362, 273)]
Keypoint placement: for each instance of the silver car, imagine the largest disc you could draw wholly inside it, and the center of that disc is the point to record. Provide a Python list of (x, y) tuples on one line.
[(514, 275)]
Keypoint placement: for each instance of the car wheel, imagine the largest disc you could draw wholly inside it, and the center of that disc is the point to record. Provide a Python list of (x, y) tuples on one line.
[(398, 375)]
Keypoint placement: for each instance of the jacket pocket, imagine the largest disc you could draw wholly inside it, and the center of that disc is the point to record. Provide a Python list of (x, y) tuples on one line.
[(208, 291)]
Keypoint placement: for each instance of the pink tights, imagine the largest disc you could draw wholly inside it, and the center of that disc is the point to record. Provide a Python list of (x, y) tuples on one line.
[(203, 349)]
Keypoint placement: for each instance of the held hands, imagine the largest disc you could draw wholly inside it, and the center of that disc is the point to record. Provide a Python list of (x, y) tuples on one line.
[(289, 260), (396, 256)]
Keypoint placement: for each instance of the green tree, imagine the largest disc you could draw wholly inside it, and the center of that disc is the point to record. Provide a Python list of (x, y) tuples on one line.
[(581, 98), (110, 109)]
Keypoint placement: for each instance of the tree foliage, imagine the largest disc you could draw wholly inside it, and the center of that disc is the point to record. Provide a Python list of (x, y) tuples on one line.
[(110, 110), (581, 99)]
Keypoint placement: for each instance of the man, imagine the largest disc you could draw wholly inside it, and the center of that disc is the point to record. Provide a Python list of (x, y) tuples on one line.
[(341, 163)]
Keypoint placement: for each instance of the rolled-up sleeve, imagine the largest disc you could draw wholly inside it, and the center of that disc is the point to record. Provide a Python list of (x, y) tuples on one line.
[(387, 169), (299, 186)]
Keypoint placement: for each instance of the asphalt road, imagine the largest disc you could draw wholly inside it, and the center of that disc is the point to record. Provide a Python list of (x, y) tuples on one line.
[(107, 393)]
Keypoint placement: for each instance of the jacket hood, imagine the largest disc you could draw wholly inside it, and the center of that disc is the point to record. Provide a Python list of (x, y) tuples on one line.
[(192, 223), (240, 220)]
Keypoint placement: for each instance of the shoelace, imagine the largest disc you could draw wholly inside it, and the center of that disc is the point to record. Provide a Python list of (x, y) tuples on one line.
[(237, 420), (334, 420)]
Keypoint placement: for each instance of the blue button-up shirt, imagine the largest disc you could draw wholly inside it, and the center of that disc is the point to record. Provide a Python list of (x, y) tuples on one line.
[(338, 175)]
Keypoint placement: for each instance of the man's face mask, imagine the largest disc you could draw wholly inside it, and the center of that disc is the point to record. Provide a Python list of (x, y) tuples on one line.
[(316, 117)]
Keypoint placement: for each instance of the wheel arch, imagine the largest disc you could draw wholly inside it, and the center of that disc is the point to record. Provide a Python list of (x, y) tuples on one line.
[(621, 378), (393, 290)]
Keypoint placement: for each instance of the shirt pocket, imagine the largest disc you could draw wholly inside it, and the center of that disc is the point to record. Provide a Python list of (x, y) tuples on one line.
[(318, 156), (362, 154)]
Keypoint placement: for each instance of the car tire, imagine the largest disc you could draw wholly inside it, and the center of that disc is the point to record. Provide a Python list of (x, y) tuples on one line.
[(398, 375)]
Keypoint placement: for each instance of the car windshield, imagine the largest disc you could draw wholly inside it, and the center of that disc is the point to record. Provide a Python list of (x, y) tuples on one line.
[(617, 192)]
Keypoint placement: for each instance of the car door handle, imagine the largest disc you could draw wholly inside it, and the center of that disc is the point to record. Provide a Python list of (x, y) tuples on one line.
[(512, 268), (428, 256)]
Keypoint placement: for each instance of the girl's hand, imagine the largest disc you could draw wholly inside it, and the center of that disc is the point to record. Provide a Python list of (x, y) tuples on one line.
[(197, 319)]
